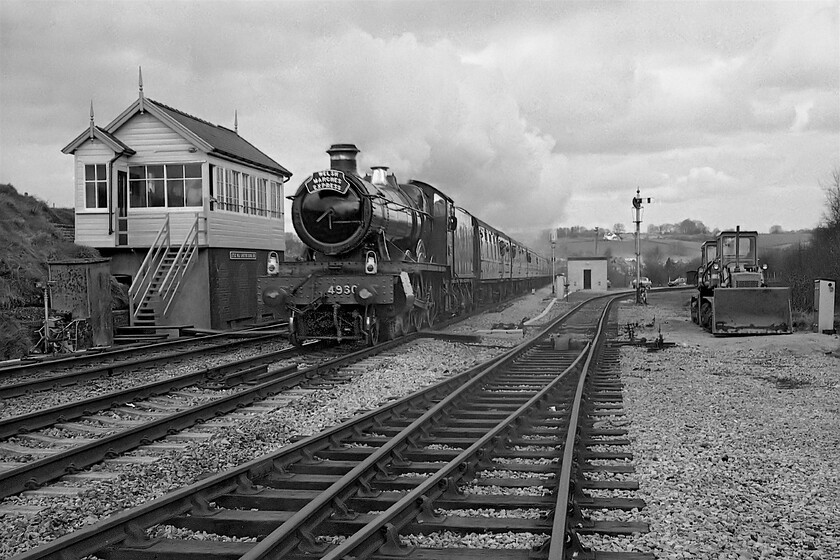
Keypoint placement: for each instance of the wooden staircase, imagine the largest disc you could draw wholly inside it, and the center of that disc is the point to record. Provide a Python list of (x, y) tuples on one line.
[(156, 283)]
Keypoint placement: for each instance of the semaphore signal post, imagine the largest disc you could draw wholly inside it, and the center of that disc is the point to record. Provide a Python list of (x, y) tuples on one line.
[(637, 219)]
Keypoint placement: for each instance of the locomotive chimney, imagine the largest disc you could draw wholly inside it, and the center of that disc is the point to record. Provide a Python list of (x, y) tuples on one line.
[(343, 158)]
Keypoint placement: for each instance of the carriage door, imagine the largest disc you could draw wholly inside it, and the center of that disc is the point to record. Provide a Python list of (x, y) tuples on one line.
[(122, 208), (587, 279)]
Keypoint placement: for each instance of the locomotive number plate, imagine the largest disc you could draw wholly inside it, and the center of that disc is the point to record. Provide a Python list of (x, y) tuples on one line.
[(342, 289)]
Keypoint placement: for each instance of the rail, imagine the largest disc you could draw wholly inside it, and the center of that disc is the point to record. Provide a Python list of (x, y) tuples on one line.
[(559, 543)]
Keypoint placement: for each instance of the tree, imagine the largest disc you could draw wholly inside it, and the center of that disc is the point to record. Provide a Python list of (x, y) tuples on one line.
[(798, 266), (618, 228), (776, 229), (692, 227), (831, 218)]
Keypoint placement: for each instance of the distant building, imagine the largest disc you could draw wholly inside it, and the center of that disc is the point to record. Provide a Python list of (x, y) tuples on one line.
[(187, 211), (587, 273)]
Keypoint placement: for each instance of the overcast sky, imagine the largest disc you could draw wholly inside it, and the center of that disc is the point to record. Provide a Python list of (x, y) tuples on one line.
[(529, 114)]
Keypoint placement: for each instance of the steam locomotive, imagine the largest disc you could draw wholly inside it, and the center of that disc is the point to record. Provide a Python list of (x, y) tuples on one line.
[(386, 258)]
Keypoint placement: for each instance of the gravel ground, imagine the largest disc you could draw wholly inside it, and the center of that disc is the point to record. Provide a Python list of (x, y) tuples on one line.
[(735, 440), (504, 326), (423, 362)]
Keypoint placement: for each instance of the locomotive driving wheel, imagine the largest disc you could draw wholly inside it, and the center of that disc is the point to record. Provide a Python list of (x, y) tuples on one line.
[(294, 336), (432, 307), (372, 335), (420, 252), (396, 327), (419, 314), (370, 328)]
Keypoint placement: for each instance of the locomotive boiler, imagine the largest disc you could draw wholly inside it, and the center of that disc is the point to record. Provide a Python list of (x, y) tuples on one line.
[(336, 211)]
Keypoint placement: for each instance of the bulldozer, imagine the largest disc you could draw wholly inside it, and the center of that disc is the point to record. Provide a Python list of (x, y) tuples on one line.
[(732, 294)]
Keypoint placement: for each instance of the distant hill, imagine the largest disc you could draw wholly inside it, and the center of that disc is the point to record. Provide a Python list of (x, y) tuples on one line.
[(677, 248)]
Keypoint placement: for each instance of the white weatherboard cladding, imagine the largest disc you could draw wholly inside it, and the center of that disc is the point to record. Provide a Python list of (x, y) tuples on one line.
[(155, 142), (144, 225), (231, 229), (92, 229)]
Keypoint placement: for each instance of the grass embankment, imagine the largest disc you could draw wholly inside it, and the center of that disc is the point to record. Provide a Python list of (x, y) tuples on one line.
[(31, 234)]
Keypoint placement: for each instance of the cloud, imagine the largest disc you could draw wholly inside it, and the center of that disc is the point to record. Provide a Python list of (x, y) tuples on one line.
[(704, 182), (801, 53), (420, 109), (529, 114)]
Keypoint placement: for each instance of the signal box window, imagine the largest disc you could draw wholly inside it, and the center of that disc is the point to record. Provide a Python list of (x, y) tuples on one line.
[(96, 186), (258, 196), (173, 185)]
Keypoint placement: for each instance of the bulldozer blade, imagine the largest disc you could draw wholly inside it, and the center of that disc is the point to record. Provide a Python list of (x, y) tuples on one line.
[(751, 311)]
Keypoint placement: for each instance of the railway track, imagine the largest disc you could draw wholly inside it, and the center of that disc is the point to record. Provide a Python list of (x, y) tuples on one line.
[(48, 373), (422, 464), (41, 446), (114, 423)]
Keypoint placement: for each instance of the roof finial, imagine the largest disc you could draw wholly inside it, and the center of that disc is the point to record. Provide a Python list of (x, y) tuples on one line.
[(91, 119), (142, 98), (236, 121)]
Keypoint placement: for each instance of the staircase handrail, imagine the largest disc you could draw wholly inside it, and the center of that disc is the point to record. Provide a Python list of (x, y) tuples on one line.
[(142, 282), (183, 259)]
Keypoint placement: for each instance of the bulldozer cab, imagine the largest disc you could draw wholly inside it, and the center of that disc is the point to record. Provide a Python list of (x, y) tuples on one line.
[(739, 260), (737, 250)]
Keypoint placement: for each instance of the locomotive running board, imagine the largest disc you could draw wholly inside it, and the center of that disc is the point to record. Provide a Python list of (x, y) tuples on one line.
[(751, 311)]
